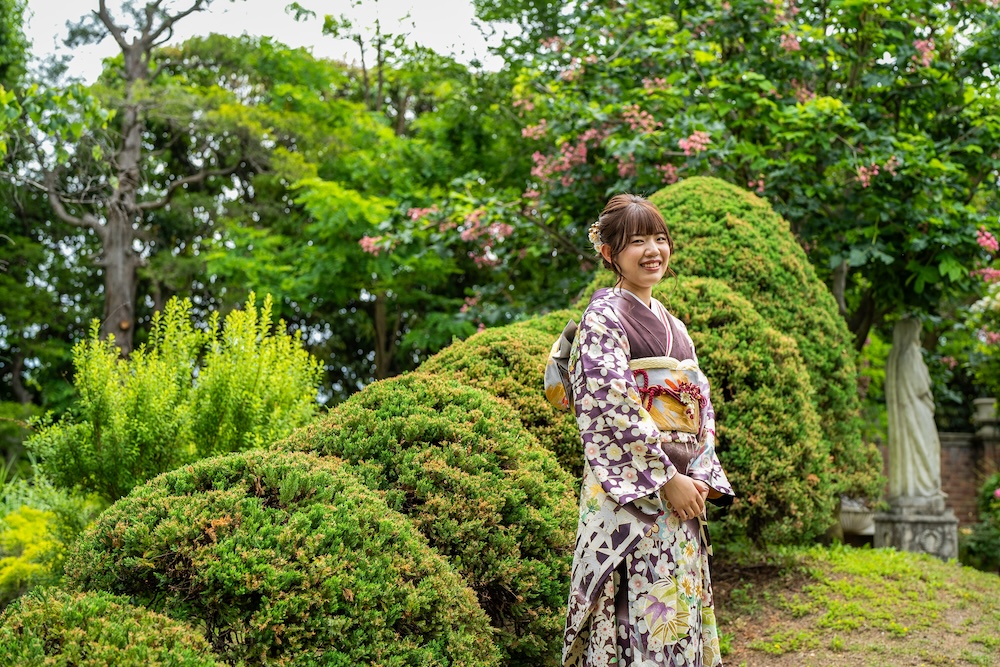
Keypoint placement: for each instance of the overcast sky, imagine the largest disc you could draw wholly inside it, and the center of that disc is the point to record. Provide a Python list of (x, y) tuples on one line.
[(443, 25)]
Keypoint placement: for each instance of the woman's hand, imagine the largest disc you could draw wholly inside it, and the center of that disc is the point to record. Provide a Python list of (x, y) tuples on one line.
[(704, 488), (685, 496)]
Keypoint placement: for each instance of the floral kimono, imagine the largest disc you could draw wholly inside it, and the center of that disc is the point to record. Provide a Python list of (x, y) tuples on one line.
[(641, 592)]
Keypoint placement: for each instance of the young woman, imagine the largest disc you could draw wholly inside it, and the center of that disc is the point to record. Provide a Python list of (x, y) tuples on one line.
[(641, 593)]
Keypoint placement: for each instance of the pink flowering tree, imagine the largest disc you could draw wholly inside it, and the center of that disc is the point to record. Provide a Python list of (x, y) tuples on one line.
[(875, 132)]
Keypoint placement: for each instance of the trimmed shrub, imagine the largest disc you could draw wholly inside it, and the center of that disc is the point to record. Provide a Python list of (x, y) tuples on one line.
[(484, 492), (284, 558), (508, 362), (59, 629), (727, 233), (29, 552), (769, 435)]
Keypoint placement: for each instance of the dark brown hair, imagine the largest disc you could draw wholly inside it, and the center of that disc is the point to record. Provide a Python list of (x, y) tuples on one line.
[(625, 216)]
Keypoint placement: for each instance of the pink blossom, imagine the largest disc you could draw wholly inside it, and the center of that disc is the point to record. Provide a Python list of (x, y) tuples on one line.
[(370, 244), (790, 43), (652, 85), (992, 337), (757, 185), (989, 275), (802, 92), (535, 131), (417, 213), (996, 494), (532, 194), (987, 241), (552, 43), (481, 328), (639, 120), (865, 174), (487, 259), (470, 302), (892, 164), (526, 106), (500, 230), (626, 167), (925, 47), (696, 143), (950, 362), (669, 172), (726, 7)]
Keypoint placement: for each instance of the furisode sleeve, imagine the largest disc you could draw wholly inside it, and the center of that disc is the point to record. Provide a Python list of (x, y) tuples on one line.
[(620, 440)]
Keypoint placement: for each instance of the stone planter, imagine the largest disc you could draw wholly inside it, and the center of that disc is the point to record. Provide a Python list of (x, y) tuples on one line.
[(984, 416)]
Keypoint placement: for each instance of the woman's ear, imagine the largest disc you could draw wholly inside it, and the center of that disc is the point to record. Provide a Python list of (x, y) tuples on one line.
[(606, 253)]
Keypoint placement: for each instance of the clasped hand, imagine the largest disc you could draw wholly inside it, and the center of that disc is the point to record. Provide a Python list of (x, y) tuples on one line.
[(687, 496)]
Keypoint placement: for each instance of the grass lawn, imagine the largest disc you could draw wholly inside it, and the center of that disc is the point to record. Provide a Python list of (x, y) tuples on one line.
[(843, 606)]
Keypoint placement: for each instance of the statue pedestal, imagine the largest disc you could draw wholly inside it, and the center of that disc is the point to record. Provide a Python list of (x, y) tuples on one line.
[(920, 525)]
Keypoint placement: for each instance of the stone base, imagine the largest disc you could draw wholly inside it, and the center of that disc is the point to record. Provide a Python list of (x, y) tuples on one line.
[(906, 530)]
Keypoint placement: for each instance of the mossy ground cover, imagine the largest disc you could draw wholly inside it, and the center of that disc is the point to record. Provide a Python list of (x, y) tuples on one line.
[(845, 607)]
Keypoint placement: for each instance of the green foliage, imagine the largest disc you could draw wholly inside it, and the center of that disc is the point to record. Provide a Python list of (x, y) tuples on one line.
[(983, 325), (769, 436), (59, 629), (980, 546), (174, 401), (27, 549), (726, 233), (484, 492), (284, 558), (873, 130), (508, 362)]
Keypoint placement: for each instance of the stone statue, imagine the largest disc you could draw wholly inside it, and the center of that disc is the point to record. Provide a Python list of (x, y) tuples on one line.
[(914, 448)]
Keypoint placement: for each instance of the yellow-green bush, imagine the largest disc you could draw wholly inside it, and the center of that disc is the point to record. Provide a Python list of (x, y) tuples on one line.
[(53, 628), (487, 496), (284, 558), (727, 233), (184, 395), (28, 551), (508, 362)]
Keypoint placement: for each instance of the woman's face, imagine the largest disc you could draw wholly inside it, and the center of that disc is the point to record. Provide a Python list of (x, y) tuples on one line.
[(643, 262)]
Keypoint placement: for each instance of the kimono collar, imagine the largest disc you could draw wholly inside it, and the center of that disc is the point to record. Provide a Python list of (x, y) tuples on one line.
[(659, 311)]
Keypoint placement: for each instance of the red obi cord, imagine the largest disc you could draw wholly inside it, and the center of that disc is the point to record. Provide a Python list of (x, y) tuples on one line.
[(647, 393)]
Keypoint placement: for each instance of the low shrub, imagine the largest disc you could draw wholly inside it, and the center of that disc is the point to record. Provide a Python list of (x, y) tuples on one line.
[(727, 233), (508, 362), (980, 546), (484, 492), (284, 559), (53, 628), (183, 395)]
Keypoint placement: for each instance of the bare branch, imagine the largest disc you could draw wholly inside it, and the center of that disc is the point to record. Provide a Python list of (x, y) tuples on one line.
[(105, 16), (59, 208), (181, 182), (168, 23)]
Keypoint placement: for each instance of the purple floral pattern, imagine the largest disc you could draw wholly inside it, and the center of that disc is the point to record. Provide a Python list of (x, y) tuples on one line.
[(641, 589)]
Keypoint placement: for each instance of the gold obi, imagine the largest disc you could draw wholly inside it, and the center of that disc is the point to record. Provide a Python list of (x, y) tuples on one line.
[(670, 391)]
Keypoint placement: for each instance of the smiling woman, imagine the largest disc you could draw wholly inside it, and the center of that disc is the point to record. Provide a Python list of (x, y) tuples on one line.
[(641, 590), (446, 26)]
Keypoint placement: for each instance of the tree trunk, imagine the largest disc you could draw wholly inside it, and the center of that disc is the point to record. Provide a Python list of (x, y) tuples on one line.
[(21, 393), (385, 339)]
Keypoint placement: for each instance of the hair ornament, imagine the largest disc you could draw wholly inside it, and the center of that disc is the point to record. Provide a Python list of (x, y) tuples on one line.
[(595, 236)]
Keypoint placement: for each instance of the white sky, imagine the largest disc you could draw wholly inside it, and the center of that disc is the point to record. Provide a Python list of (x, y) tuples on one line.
[(443, 25)]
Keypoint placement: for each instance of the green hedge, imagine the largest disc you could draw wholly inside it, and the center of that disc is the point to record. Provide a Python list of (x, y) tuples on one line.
[(509, 363), (53, 628), (769, 435), (484, 492), (284, 558), (727, 233)]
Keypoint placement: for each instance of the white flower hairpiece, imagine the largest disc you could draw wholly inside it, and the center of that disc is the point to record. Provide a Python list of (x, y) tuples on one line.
[(595, 236)]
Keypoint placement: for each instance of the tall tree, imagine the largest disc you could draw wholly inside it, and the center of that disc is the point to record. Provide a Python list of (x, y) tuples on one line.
[(97, 177)]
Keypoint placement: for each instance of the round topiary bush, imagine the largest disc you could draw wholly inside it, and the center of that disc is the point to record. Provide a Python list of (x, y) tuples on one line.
[(284, 558), (54, 628), (508, 362), (485, 493), (727, 233), (769, 436)]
